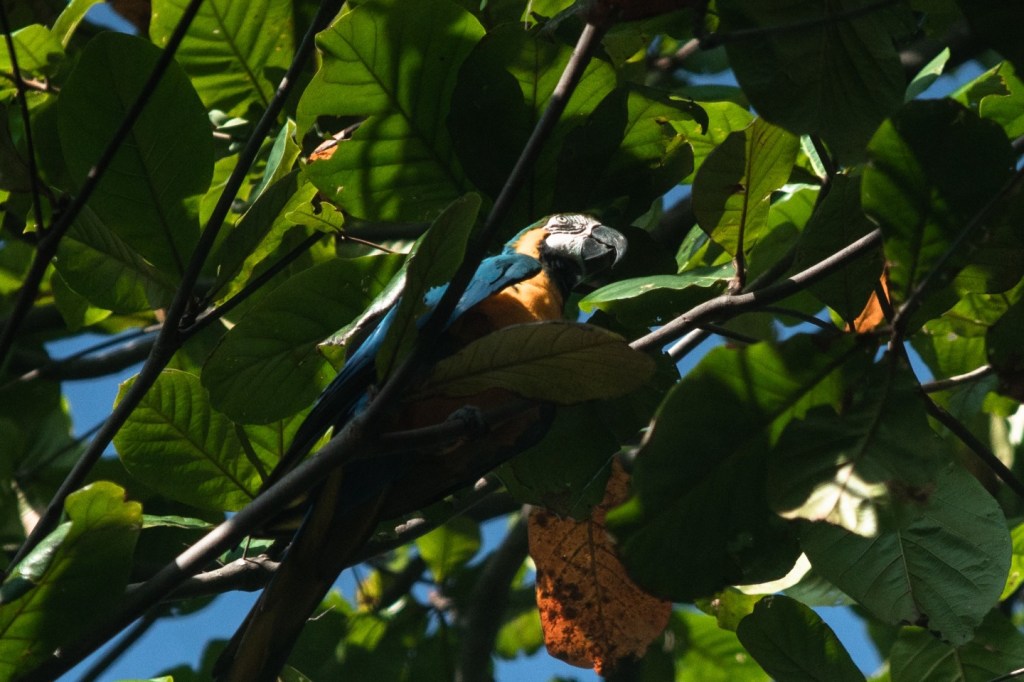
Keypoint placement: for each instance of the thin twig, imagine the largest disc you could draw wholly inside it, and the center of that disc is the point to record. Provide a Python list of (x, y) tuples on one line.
[(971, 441), (30, 148), (958, 380)]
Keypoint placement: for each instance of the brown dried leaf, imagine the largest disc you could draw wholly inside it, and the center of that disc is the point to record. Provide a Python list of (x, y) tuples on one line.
[(872, 315), (592, 613)]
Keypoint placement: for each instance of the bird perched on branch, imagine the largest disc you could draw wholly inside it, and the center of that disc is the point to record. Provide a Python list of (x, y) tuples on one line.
[(528, 282)]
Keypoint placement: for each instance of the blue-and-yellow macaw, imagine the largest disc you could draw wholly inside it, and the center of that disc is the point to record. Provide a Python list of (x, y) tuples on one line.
[(528, 282)]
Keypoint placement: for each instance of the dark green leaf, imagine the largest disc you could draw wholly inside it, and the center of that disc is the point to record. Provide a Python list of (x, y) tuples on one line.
[(933, 166), (630, 157), (556, 361), (836, 77), (838, 222), (943, 566), (234, 52), (83, 577), (149, 194), (503, 87), (397, 63), (39, 52), (565, 472), (732, 190), (686, 471), (993, 22), (267, 366), (793, 644), (997, 649)]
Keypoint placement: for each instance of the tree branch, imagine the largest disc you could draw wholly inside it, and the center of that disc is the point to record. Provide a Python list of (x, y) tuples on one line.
[(958, 380), (730, 305), (481, 620)]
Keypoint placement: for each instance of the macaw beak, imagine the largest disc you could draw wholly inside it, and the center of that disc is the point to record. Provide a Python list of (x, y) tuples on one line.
[(603, 248)]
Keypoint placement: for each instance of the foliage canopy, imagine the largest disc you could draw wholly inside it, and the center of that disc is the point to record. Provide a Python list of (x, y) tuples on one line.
[(857, 243)]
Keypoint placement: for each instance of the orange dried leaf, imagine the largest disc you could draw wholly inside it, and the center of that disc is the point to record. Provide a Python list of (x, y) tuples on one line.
[(872, 315), (592, 613)]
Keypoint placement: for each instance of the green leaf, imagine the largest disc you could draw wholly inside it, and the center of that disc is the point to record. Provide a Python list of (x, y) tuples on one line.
[(567, 470), (395, 62), (503, 87), (65, 25), (793, 644), (628, 153), (837, 77), (1015, 577), (434, 260), (175, 443), (448, 548), (656, 299), (83, 575), (723, 118), (97, 264), (838, 467), (267, 366), (998, 95), (150, 192), (732, 190), (838, 222), (556, 361), (686, 471), (234, 52), (933, 166), (928, 74), (37, 49), (711, 654), (729, 607), (997, 648), (942, 567)]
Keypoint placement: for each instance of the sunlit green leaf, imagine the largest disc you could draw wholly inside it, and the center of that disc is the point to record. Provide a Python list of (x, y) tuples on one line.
[(82, 576), (711, 654), (732, 190), (176, 443), (234, 52), (657, 298), (399, 68), (838, 467)]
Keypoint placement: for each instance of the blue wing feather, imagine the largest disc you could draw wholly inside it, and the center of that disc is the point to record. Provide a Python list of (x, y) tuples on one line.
[(342, 397)]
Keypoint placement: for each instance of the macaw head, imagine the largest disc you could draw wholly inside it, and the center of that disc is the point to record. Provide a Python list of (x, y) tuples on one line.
[(571, 247)]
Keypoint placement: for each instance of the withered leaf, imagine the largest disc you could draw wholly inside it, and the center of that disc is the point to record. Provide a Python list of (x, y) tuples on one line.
[(592, 613)]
